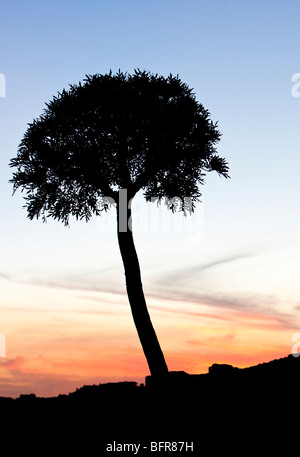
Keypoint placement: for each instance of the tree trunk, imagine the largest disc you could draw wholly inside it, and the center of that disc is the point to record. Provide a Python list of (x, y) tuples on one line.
[(155, 358)]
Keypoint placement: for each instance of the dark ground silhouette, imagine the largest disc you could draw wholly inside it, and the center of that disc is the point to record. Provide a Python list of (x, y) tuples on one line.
[(227, 409)]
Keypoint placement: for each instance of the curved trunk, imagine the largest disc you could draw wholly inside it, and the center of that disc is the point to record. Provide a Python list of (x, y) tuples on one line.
[(155, 358)]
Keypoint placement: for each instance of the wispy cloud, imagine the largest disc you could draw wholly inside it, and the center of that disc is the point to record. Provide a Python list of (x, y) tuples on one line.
[(183, 284), (92, 281), (234, 309), (5, 276), (187, 285), (181, 274)]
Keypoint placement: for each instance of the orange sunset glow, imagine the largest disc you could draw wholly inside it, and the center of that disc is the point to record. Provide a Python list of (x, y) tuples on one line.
[(53, 351)]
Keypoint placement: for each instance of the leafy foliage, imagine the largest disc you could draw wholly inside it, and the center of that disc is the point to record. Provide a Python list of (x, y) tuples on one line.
[(139, 131)]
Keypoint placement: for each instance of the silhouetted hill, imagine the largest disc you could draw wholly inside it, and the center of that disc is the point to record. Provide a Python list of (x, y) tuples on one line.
[(218, 410)]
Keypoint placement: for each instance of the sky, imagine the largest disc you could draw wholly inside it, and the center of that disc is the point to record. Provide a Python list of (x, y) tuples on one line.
[(222, 286)]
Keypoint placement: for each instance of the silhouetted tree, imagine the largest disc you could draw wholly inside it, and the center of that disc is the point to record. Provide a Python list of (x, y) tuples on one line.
[(113, 133)]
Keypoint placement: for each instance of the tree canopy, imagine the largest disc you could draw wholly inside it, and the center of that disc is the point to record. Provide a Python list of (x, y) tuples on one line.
[(113, 131)]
